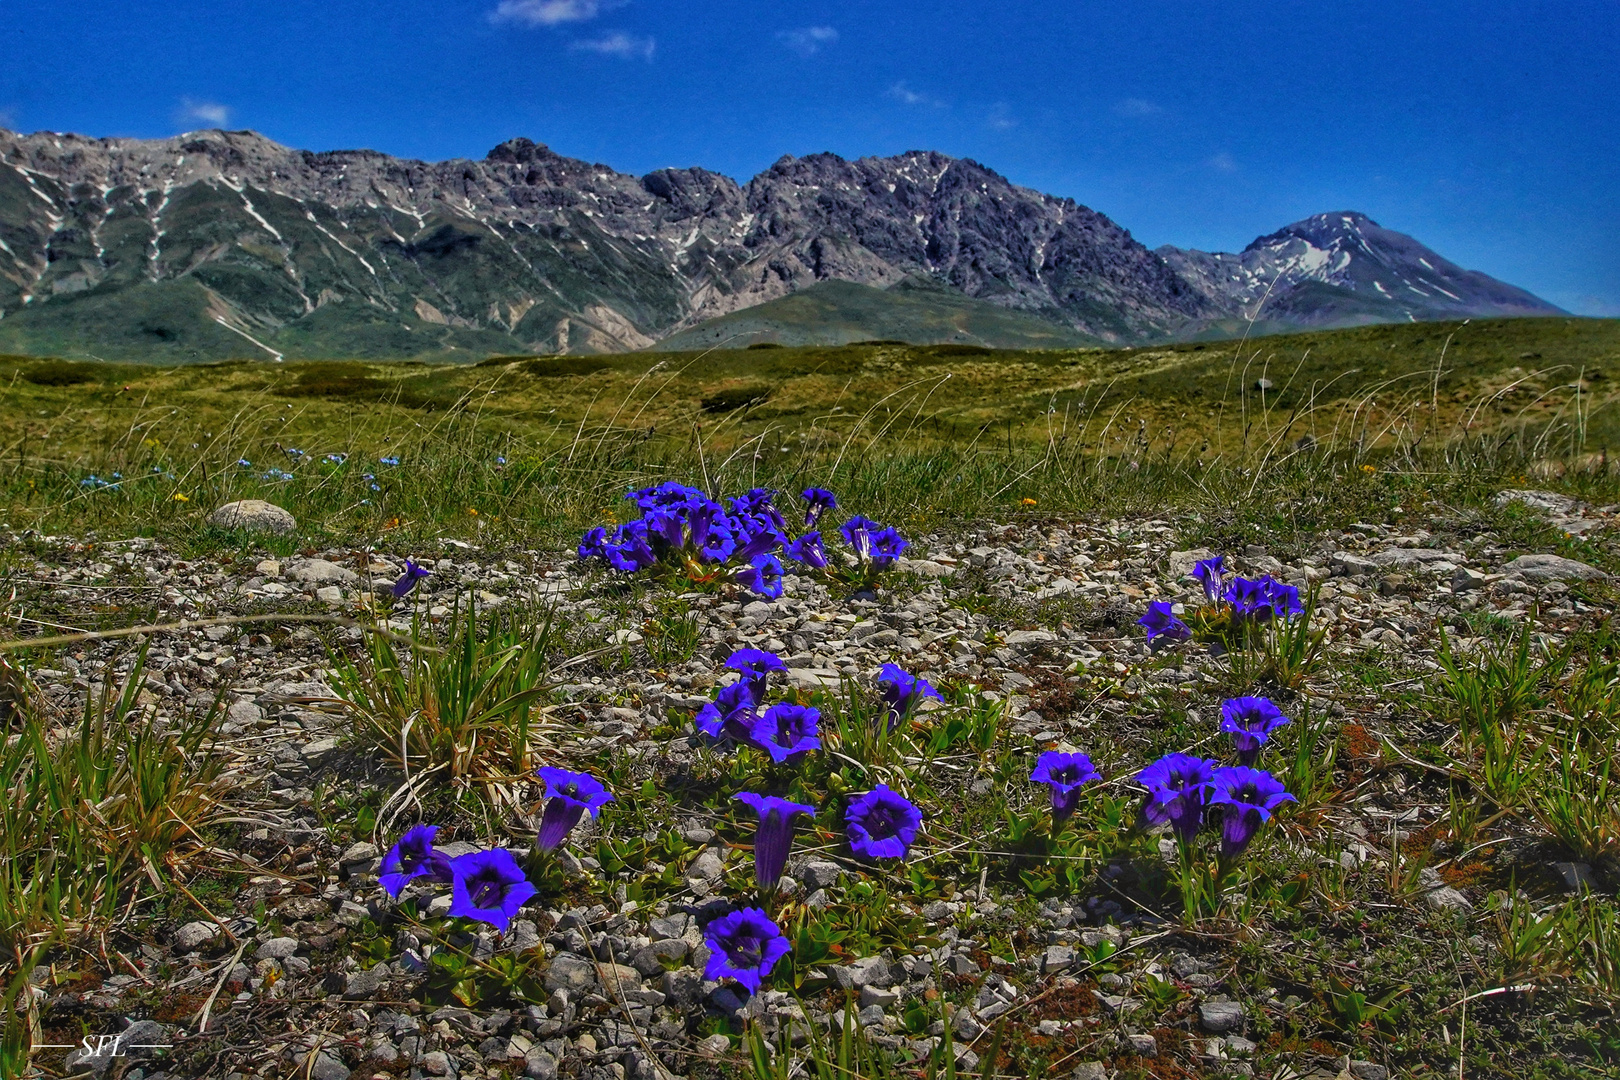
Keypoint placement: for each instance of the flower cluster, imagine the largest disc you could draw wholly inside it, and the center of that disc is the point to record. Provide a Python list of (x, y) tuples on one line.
[(1189, 793), (786, 731), (488, 886), (683, 527), (1246, 601)]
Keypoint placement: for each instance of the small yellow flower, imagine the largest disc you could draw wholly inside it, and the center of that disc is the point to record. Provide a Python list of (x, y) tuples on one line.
[(178, 497), (1030, 502), (1368, 469), (471, 511)]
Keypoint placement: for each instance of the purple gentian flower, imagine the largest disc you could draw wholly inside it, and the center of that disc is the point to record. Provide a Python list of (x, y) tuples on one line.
[(571, 794), (882, 824), (1210, 573), (731, 712), (787, 732), (1282, 599), (809, 550), (757, 503), (1160, 621), (744, 945), (667, 494), (818, 500), (411, 858), (1248, 796), (665, 525), (857, 533), (1178, 788), (1065, 774), (756, 535), (903, 692), (1250, 721), (629, 550), (763, 575), (488, 886), (774, 837), (887, 544), (593, 545), (1249, 599), (718, 543), (407, 581), (755, 664)]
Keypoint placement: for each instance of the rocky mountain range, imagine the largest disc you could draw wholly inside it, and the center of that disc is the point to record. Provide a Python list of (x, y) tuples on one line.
[(224, 243)]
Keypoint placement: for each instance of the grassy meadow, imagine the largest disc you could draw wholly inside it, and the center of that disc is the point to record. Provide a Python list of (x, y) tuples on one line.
[(528, 448)]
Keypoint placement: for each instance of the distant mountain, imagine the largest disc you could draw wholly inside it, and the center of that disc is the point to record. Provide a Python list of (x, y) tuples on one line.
[(216, 244), (1345, 269)]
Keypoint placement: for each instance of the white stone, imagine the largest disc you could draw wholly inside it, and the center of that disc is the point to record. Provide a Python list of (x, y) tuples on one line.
[(254, 515)]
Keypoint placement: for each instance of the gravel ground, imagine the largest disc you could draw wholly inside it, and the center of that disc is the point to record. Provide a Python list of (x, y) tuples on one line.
[(1039, 615)]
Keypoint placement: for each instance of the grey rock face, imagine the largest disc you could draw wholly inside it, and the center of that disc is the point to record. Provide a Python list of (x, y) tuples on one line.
[(1553, 568), (1220, 1017), (322, 572), (254, 515)]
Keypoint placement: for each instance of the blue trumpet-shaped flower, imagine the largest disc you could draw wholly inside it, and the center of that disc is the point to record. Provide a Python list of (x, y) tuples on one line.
[(1178, 790), (787, 732), (407, 581), (808, 549), (755, 665), (411, 858), (488, 886), (1065, 774), (763, 575), (903, 691), (1250, 721), (744, 945), (882, 824), (774, 837), (1210, 573), (1247, 798), (1161, 621), (817, 501), (571, 795), (731, 712)]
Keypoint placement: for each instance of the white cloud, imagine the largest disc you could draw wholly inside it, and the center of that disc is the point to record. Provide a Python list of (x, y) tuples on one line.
[(205, 112), (545, 12), (1136, 107), (1000, 118), (1223, 162), (905, 95), (808, 40), (618, 43)]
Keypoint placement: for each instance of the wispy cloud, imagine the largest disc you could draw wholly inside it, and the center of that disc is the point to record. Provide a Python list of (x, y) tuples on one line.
[(1136, 107), (1223, 162), (618, 43), (546, 12), (808, 40), (203, 112), (905, 95), (1000, 118)]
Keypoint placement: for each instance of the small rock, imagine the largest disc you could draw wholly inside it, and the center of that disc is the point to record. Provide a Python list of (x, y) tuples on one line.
[(1577, 877), (540, 1065), (1353, 565), (1446, 898), (569, 972), (1089, 1070), (1553, 568), (708, 866), (882, 997), (435, 1063), (1028, 639), (820, 875), (813, 679), (1057, 958), (1368, 1070), (1466, 580), (254, 515), (329, 594), (192, 935), (322, 572), (1220, 1017), (277, 948), (317, 751), (1549, 502), (324, 1067), (713, 1046), (359, 985), (1145, 1045)]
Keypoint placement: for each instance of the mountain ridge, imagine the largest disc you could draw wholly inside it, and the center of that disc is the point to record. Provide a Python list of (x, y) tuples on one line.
[(213, 242)]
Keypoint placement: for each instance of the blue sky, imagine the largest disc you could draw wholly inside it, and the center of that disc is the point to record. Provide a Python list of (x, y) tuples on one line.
[(1486, 129)]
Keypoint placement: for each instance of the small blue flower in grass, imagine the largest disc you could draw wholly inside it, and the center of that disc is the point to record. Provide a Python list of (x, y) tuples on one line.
[(756, 536), (744, 945), (244, 463), (808, 549), (887, 546), (571, 794), (817, 502), (787, 732), (1247, 798), (763, 575), (1161, 622), (593, 545), (1250, 721), (1211, 573), (903, 691), (407, 581), (730, 713), (774, 837), (1283, 599), (1178, 789), (411, 858), (882, 824), (1065, 774), (390, 460), (488, 886), (873, 543)]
